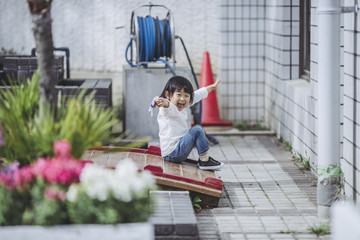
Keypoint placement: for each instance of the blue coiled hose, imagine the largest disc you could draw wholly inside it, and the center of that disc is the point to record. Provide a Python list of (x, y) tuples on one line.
[(154, 41)]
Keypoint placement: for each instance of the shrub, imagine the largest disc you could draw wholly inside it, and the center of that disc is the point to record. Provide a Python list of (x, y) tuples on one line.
[(27, 136)]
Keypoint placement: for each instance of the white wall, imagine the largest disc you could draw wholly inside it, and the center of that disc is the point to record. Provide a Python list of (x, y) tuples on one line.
[(291, 103), (290, 107), (87, 27), (350, 162)]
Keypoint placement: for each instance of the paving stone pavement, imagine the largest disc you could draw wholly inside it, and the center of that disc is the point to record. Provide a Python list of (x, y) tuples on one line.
[(265, 196)]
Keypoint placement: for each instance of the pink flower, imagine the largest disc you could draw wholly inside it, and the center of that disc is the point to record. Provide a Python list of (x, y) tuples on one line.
[(63, 169), (61, 195), (40, 166), (55, 194), (62, 148), (50, 193), (7, 181), (9, 175), (17, 180), (12, 177), (27, 174)]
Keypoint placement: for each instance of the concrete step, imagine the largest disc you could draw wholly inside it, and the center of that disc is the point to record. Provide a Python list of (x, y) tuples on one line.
[(174, 217)]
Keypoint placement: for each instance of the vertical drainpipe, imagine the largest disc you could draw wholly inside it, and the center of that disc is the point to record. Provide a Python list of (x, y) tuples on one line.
[(329, 183)]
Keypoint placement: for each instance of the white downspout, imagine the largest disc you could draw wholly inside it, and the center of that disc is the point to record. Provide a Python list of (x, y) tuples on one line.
[(328, 13)]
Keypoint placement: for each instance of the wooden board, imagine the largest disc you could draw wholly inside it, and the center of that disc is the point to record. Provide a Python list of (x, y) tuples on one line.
[(185, 176)]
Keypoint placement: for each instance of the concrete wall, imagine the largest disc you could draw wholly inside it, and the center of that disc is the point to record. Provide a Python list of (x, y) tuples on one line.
[(87, 27)]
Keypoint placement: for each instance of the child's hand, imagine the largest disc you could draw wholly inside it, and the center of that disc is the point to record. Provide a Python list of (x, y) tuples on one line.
[(213, 86), (218, 80), (162, 102)]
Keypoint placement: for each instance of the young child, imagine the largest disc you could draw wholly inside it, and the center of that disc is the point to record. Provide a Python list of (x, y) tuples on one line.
[(176, 139)]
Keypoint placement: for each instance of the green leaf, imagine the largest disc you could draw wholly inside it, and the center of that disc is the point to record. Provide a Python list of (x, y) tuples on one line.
[(27, 136)]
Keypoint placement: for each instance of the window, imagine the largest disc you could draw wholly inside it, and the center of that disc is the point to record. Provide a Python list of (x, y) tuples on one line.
[(305, 10)]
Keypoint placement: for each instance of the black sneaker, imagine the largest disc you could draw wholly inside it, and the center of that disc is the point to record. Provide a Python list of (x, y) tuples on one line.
[(211, 164)]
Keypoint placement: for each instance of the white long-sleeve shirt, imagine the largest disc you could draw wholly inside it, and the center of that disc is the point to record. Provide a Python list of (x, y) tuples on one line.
[(173, 125)]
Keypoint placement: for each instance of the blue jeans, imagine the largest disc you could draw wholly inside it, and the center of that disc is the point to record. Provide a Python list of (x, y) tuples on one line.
[(195, 137)]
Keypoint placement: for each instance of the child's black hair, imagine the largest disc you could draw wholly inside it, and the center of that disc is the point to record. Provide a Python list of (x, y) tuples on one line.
[(178, 83)]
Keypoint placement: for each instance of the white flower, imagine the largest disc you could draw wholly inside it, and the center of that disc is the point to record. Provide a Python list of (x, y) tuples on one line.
[(145, 182), (124, 183), (126, 168), (121, 190), (131, 182), (124, 175), (72, 193), (95, 181)]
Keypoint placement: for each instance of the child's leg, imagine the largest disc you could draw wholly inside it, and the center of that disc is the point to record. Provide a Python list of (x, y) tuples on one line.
[(205, 162), (204, 157), (195, 137), (201, 142)]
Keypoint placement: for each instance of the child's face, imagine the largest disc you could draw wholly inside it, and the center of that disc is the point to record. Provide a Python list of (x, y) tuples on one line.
[(180, 99)]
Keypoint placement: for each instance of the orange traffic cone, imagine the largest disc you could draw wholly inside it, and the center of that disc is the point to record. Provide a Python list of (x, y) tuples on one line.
[(210, 108)]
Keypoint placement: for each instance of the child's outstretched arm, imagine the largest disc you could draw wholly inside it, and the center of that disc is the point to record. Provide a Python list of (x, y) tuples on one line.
[(211, 87), (162, 102)]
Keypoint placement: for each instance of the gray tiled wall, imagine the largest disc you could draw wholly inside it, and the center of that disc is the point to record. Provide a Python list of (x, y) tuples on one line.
[(242, 30), (351, 145), (290, 107)]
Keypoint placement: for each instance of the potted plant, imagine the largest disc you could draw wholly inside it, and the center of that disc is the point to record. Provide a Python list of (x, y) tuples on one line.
[(65, 191)]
